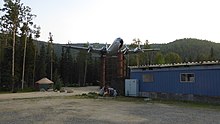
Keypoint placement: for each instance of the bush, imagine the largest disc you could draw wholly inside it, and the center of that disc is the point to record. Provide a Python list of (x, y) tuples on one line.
[(57, 81), (27, 89), (58, 85)]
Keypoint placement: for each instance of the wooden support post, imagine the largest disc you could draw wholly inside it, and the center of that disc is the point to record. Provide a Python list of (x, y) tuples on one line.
[(120, 65)]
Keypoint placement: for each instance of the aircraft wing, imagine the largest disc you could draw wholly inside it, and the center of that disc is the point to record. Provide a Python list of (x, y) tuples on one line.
[(136, 50), (88, 49), (151, 49)]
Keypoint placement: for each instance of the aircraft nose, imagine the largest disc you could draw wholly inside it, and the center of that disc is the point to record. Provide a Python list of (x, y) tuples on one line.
[(121, 43)]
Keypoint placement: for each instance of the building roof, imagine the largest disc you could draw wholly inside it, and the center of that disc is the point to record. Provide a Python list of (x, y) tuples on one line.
[(176, 65), (44, 81)]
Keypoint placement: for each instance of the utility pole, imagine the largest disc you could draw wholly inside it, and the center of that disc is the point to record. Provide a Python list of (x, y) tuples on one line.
[(51, 55)]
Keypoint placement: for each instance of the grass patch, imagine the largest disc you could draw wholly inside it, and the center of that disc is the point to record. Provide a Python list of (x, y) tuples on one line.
[(90, 95), (130, 99), (190, 104), (25, 90), (141, 100), (138, 100), (5, 92)]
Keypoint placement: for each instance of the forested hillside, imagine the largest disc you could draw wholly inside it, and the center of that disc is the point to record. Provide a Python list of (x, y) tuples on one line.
[(190, 49)]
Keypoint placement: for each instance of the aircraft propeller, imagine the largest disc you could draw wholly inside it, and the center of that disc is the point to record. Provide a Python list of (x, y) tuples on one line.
[(126, 49), (90, 48)]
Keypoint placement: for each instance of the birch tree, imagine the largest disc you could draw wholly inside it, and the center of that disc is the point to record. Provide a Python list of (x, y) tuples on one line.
[(27, 17)]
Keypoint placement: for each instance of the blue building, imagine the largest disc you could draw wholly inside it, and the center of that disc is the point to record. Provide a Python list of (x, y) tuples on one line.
[(188, 81)]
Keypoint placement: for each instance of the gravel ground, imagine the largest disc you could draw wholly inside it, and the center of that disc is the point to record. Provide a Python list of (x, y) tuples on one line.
[(56, 110), (76, 91)]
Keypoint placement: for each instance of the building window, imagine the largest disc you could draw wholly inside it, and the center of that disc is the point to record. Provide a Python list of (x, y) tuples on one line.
[(148, 78), (187, 77)]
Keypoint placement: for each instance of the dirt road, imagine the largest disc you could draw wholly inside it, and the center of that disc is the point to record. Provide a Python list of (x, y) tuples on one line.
[(76, 91), (57, 110)]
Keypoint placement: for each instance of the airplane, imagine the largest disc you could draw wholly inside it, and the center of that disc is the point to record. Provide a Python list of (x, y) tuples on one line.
[(113, 49)]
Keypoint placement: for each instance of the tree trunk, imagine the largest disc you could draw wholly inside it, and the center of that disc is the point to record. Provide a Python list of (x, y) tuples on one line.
[(84, 79), (25, 45), (35, 52), (51, 62), (13, 60)]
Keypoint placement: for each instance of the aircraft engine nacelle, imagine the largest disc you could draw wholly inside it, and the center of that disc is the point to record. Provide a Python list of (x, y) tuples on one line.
[(103, 50), (125, 50), (90, 48), (138, 49)]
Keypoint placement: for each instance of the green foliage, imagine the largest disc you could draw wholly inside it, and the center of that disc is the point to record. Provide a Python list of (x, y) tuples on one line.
[(16, 17), (57, 81), (140, 58), (68, 68), (172, 58), (41, 63), (81, 64), (190, 49), (12, 14), (10, 22), (212, 54), (58, 85), (27, 89), (159, 58), (92, 95)]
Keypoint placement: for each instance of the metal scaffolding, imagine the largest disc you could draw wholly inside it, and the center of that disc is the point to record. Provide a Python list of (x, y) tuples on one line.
[(113, 72)]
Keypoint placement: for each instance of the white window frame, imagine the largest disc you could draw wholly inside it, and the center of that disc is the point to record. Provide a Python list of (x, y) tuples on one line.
[(151, 79), (187, 78)]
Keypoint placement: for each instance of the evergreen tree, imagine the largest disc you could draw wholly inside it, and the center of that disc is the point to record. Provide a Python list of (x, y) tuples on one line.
[(211, 54), (41, 63), (145, 56), (57, 81), (66, 67), (81, 59), (62, 65), (29, 62), (36, 33), (5, 72), (14, 15), (50, 57), (201, 57), (11, 20)]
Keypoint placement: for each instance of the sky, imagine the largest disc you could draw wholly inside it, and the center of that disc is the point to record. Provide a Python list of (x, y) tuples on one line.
[(101, 21)]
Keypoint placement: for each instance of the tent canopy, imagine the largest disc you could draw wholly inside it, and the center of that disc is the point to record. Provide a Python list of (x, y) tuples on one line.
[(44, 81)]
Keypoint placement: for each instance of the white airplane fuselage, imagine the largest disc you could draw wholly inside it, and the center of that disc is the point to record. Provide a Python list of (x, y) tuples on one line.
[(115, 47)]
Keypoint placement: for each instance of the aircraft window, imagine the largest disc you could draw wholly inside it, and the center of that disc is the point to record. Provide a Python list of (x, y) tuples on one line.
[(148, 78), (187, 77)]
